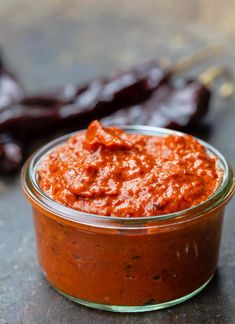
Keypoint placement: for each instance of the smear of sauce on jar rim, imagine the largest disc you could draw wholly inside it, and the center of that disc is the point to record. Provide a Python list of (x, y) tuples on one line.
[(108, 172)]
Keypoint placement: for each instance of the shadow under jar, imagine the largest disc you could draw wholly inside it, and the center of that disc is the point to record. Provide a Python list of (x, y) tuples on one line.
[(127, 264)]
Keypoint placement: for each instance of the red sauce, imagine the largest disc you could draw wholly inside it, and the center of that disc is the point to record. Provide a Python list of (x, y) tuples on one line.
[(106, 171)]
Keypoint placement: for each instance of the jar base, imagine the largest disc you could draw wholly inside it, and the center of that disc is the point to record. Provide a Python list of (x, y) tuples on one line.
[(135, 309)]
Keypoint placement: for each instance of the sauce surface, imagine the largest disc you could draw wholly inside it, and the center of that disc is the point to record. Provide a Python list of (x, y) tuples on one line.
[(108, 172)]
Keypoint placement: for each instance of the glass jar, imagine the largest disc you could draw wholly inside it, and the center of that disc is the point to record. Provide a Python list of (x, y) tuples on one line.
[(127, 264)]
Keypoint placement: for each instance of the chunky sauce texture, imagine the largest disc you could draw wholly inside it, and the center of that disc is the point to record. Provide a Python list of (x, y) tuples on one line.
[(108, 172)]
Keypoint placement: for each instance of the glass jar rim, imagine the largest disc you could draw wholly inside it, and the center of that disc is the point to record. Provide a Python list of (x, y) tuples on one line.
[(35, 193)]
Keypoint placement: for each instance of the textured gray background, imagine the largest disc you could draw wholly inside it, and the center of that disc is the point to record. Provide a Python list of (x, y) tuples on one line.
[(54, 42)]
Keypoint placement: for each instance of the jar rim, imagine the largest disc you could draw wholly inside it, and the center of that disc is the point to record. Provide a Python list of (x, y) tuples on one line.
[(35, 193)]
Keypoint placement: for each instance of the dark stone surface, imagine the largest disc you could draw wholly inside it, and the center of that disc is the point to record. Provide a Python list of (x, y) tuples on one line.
[(53, 44)]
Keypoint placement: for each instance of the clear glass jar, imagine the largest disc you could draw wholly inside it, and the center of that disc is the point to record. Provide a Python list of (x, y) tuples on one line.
[(127, 264)]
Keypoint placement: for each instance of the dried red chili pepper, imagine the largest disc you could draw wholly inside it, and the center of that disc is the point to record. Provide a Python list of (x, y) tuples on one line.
[(11, 90), (170, 106), (97, 99), (11, 153)]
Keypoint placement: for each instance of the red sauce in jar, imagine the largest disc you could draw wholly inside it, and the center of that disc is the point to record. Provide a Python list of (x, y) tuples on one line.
[(108, 172)]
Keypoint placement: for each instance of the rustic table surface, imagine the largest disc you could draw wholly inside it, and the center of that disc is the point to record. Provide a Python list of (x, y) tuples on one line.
[(64, 41)]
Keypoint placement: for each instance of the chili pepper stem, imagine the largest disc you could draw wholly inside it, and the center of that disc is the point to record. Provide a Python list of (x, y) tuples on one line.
[(198, 57), (209, 77)]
